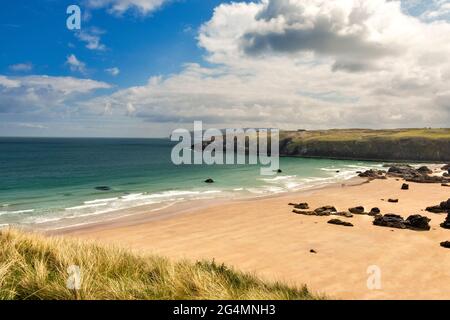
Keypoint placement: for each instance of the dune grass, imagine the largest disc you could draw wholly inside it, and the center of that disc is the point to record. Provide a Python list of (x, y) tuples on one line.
[(37, 267)]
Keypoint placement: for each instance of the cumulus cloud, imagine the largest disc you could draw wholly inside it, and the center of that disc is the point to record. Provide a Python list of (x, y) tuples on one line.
[(294, 64), (75, 65), (304, 63), (143, 7), (31, 94)]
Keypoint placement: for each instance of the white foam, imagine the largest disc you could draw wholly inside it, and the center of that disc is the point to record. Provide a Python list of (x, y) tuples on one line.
[(87, 206), (16, 212), (101, 200)]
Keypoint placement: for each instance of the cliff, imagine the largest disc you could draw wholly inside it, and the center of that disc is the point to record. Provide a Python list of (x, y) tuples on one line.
[(421, 145)]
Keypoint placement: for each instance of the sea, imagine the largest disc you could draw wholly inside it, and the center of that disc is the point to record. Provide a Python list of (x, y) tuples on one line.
[(50, 183)]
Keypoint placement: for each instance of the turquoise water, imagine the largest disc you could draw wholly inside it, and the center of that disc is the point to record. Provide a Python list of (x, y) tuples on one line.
[(46, 181)]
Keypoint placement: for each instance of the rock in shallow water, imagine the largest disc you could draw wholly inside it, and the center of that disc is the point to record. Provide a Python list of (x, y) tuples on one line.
[(103, 188), (209, 180)]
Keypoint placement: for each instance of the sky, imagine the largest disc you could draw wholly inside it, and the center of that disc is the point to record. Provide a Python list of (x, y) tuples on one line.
[(142, 68)]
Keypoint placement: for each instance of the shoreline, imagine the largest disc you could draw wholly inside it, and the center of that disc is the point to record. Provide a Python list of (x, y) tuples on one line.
[(140, 214)]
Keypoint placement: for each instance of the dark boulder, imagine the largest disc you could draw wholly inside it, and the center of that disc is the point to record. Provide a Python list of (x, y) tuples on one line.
[(425, 170), (418, 222), (445, 244), (374, 212), (393, 200), (313, 251), (435, 209), (446, 167), (209, 180), (446, 223), (390, 221), (301, 206), (443, 207), (325, 210), (340, 223), (373, 174), (405, 186), (357, 210)]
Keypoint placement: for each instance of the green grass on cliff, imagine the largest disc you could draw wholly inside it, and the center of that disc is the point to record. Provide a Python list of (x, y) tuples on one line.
[(35, 267), (365, 134)]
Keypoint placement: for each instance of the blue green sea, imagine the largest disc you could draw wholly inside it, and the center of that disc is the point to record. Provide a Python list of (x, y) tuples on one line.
[(53, 182)]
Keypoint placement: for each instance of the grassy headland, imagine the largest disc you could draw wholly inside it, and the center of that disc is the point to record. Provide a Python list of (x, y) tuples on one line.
[(36, 267), (392, 145)]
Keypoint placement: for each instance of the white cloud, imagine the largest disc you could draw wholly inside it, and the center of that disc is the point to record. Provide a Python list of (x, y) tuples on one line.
[(9, 83), (144, 7), (22, 67), (305, 63), (75, 64), (113, 71), (92, 39), (32, 94)]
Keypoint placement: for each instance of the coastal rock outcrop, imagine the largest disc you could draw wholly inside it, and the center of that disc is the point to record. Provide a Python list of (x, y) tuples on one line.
[(209, 180), (340, 223), (420, 175)]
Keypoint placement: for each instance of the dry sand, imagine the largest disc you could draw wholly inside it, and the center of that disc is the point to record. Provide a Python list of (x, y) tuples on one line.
[(264, 236)]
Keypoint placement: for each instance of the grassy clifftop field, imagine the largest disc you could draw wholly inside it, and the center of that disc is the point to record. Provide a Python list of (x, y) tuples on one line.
[(392, 145), (34, 267)]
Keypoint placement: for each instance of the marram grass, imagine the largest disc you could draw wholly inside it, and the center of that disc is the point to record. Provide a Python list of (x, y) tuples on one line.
[(37, 267)]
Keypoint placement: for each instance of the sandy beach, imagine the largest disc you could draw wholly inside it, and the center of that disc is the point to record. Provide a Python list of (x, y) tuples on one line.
[(264, 236)]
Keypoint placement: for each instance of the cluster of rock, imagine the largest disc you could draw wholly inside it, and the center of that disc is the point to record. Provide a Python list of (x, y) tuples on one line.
[(409, 173), (302, 208), (443, 207), (414, 222)]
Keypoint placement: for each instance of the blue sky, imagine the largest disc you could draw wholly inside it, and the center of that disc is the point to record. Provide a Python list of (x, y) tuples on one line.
[(139, 45), (141, 68)]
